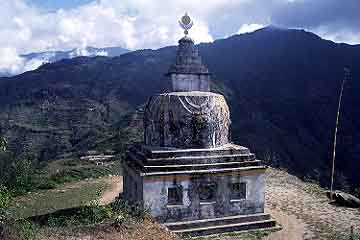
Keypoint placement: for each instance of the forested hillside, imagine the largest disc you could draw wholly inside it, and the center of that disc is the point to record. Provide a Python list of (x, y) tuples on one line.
[(282, 87)]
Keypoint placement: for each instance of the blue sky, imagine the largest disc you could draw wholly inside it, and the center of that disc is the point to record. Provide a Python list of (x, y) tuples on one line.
[(53, 5)]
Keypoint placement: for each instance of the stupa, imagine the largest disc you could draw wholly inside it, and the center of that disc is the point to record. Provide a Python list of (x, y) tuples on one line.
[(187, 173)]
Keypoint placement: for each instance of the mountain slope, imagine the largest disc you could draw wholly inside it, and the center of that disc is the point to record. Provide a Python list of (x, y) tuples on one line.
[(282, 87)]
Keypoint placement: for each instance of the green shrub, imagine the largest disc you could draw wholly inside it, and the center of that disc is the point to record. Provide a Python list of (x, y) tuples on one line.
[(47, 185), (19, 230), (4, 202), (28, 229), (17, 172), (120, 212), (3, 144), (72, 162), (81, 216), (68, 175), (136, 210), (4, 197)]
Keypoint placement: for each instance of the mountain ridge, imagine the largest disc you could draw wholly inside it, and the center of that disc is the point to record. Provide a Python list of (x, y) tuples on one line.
[(32, 61)]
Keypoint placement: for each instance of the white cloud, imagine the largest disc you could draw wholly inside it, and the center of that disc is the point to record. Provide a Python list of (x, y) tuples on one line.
[(31, 64), (246, 28), (10, 62), (341, 35), (132, 24)]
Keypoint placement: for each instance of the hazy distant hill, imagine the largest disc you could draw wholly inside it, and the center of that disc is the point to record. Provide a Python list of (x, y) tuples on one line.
[(282, 87), (32, 61)]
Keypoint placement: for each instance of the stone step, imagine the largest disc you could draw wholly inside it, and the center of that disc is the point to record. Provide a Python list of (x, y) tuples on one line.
[(162, 152), (220, 229), (217, 221), (201, 159), (156, 168), (226, 228)]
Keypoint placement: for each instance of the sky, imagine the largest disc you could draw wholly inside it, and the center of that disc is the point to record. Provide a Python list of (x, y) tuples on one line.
[(41, 25)]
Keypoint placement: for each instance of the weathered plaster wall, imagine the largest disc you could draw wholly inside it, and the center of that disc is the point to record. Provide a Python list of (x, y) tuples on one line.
[(155, 195), (187, 120), (190, 82)]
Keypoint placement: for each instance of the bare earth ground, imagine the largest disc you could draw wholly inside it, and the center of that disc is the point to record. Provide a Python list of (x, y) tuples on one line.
[(146, 230), (303, 210), (114, 186)]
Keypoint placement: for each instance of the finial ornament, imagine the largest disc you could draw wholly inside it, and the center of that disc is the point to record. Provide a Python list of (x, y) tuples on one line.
[(186, 23)]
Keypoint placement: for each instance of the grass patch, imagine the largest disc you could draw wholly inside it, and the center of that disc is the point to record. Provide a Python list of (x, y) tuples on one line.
[(118, 216), (118, 213), (63, 171), (43, 202), (79, 216)]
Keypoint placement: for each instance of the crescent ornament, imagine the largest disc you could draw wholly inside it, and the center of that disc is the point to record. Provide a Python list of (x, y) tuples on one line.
[(186, 23)]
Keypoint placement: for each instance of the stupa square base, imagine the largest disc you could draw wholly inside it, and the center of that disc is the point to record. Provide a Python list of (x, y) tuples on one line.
[(181, 185)]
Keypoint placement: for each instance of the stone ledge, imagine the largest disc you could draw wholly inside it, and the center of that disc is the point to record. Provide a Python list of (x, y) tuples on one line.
[(207, 203), (211, 171), (159, 152)]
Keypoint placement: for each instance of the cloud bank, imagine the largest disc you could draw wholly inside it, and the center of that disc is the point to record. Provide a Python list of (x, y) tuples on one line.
[(138, 24)]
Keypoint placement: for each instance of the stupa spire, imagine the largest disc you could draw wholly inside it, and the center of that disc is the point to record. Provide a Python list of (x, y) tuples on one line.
[(188, 73)]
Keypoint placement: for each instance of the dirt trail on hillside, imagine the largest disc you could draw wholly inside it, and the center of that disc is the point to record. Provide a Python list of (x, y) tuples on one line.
[(114, 186), (303, 210)]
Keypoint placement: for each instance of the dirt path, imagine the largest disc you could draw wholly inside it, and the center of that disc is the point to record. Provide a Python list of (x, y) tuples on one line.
[(292, 227), (303, 210), (114, 186)]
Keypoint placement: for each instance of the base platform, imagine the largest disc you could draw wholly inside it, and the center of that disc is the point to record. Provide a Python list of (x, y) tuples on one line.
[(239, 223)]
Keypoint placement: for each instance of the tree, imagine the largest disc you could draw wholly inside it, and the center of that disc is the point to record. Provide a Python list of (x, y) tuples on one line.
[(3, 144)]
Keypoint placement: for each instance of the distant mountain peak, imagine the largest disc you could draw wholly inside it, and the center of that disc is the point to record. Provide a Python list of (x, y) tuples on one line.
[(278, 30)]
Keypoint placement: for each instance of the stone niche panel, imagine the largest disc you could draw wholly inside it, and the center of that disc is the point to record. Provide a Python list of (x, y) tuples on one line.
[(187, 120), (199, 202)]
